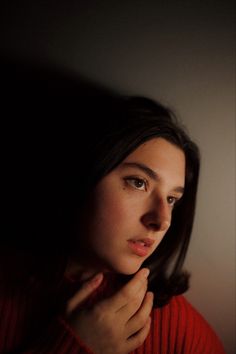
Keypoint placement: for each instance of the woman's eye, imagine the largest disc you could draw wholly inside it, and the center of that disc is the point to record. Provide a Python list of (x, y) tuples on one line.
[(137, 183), (172, 200)]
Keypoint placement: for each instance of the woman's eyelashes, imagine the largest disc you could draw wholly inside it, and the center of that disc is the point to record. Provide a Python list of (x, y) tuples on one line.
[(172, 200), (137, 182), (141, 184)]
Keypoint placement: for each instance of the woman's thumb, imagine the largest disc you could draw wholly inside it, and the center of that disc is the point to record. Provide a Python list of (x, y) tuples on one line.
[(82, 294)]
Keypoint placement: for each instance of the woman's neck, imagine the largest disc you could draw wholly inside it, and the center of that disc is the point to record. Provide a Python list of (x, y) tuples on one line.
[(81, 272)]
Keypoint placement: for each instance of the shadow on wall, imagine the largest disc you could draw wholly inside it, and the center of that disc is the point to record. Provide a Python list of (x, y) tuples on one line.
[(50, 120), (21, 76)]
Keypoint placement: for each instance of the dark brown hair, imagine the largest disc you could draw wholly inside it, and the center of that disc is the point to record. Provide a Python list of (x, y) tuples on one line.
[(53, 164), (132, 121)]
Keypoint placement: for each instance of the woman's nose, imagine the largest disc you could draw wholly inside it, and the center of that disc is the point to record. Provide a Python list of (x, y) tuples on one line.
[(158, 218)]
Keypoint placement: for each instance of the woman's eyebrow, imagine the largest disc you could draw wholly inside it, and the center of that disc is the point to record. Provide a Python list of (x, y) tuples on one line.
[(152, 174)]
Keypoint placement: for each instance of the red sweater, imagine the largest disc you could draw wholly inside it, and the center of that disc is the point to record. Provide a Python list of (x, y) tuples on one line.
[(28, 325)]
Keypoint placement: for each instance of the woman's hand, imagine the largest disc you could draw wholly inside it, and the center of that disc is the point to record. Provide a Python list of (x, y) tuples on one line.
[(118, 324)]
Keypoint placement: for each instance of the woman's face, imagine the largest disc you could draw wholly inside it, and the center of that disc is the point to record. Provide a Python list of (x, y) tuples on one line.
[(130, 211)]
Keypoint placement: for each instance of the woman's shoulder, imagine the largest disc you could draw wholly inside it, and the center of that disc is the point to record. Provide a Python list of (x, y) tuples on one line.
[(184, 327)]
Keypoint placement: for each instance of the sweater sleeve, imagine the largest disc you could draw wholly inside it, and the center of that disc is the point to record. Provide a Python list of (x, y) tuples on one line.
[(58, 338), (22, 333), (179, 328)]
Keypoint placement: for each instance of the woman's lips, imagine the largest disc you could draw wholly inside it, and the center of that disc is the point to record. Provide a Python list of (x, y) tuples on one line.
[(141, 247)]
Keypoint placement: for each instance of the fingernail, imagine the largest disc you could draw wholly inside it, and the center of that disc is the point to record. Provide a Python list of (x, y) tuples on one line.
[(146, 272), (151, 295), (97, 278)]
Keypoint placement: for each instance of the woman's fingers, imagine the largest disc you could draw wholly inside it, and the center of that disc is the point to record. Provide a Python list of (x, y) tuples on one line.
[(133, 305), (137, 339), (138, 321), (127, 294), (83, 293), (106, 327)]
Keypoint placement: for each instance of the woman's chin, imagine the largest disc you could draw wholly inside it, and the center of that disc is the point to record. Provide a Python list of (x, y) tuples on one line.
[(127, 268)]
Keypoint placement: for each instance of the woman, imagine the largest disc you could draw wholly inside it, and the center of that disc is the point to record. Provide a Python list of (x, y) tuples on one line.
[(99, 268)]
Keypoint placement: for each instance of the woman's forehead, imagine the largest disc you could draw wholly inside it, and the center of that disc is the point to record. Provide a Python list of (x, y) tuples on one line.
[(158, 158)]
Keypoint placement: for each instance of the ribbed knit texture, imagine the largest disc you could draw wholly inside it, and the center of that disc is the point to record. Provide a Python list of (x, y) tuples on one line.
[(25, 328)]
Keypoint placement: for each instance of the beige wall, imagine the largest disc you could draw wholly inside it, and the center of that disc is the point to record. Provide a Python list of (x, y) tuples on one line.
[(181, 53)]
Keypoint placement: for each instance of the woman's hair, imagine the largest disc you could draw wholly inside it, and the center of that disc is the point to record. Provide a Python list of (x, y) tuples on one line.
[(129, 122), (53, 165)]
